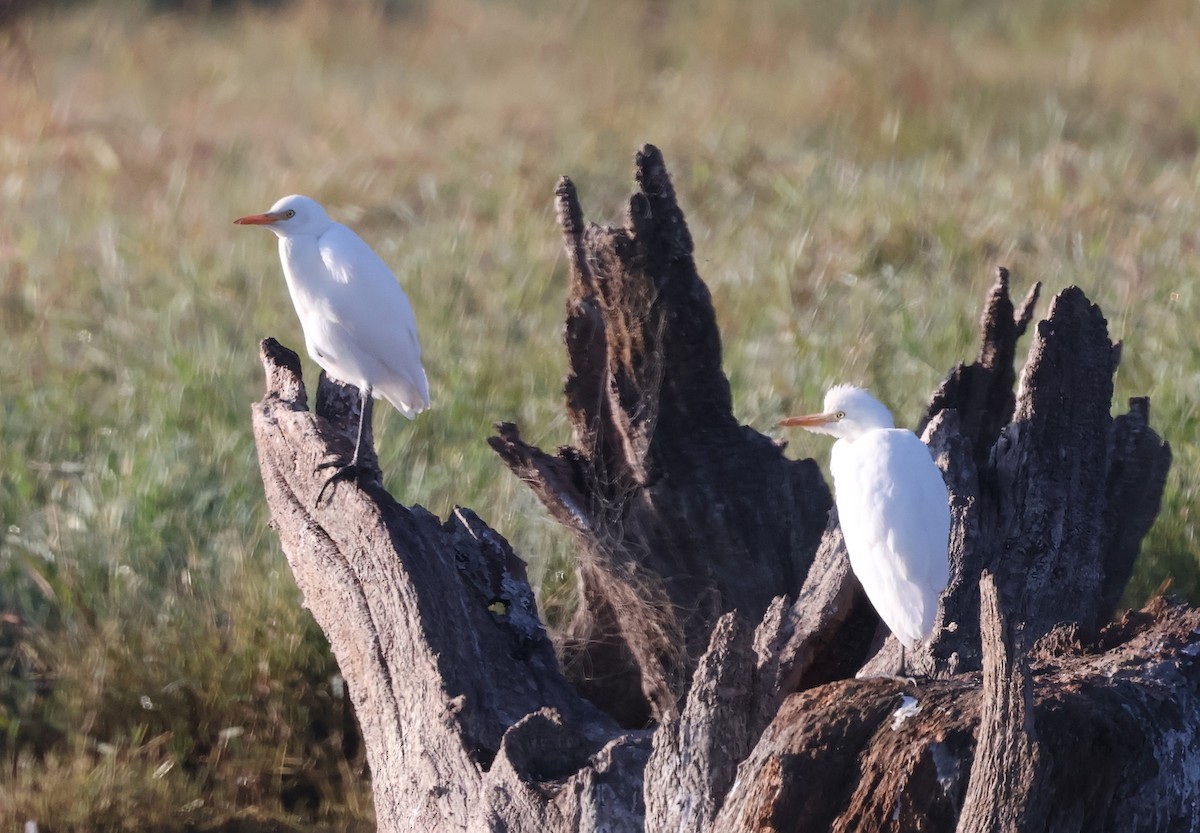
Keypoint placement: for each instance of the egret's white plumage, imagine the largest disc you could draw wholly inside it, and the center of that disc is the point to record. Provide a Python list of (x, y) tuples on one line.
[(358, 324), (893, 508)]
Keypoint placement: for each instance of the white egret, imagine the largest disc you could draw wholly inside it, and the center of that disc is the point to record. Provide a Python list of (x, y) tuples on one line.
[(358, 324), (893, 508)]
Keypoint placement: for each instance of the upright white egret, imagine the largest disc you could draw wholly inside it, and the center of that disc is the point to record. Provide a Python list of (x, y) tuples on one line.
[(893, 507), (358, 324)]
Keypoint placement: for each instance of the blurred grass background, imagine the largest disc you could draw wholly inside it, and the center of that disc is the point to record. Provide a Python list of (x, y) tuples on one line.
[(852, 172)]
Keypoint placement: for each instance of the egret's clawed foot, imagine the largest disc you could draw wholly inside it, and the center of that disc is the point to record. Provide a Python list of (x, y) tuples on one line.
[(342, 471)]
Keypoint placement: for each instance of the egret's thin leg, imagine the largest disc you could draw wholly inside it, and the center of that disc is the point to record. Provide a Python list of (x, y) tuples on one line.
[(364, 397), (902, 676), (348, 470)]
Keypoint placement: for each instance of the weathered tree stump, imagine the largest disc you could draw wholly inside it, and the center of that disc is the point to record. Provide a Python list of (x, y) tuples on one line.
[(708, 682), (682, 514)]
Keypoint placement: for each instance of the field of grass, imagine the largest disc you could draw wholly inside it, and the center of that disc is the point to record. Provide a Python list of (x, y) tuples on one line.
[(852, 171)]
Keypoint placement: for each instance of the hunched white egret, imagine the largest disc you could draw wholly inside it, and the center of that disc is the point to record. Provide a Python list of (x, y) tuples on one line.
[(893, 508), (358, 324)]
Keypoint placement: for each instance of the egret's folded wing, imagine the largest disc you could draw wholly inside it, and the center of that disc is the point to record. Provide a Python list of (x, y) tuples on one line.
[(370, 305), (906, 506)]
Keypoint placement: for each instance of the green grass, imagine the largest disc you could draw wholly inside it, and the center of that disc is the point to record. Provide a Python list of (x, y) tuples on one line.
[(852, 173)]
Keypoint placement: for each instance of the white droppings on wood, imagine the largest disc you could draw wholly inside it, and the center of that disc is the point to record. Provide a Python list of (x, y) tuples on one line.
[(909, 707)]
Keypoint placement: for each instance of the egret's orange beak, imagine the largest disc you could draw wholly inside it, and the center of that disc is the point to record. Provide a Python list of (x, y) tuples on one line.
[(259, 219), (807, 421)]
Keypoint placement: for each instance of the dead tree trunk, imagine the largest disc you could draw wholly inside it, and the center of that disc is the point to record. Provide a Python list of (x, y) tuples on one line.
[(681, 513), (717, 602)]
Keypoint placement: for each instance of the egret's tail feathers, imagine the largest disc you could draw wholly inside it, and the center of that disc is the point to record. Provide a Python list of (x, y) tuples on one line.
[(407, 398)]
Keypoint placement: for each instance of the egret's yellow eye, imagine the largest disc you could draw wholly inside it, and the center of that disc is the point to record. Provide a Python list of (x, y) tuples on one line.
[(840, 415), (289, 214)]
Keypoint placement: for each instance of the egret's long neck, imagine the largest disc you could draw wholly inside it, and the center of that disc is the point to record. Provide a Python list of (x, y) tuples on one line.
[(306, 275), (840, 464), (302, 264)]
